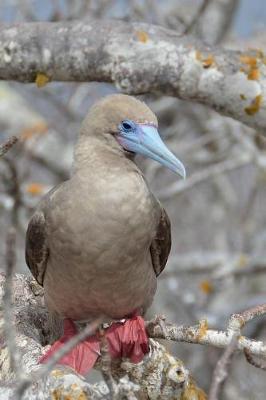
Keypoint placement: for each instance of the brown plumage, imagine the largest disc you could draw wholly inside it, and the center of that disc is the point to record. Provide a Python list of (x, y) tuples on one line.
[(97, 241)]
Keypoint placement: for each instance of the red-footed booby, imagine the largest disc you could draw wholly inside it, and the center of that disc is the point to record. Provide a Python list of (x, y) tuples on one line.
[(98, 241)]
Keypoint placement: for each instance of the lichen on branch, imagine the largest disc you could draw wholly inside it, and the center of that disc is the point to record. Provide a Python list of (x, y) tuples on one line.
[(138, 58)]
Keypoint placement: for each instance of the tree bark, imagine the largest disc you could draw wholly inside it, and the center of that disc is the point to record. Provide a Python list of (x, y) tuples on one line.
[(138, 58)]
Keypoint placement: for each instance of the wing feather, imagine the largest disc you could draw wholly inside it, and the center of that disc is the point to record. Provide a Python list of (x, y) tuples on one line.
[(37, 252), (161, 245)]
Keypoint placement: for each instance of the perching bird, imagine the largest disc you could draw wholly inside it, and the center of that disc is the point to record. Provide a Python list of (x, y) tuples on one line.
[(98, 241)]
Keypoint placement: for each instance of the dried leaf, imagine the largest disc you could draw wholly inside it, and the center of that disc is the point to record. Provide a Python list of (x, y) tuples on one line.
[(41, 79), (254, 107), (254, 74), (30, 131), (208, 62), (198, 55), (242, 261), (248, 60), (142, 36), (35, 189), (260, 53), (193, 392), (203, 327), (206, 286)]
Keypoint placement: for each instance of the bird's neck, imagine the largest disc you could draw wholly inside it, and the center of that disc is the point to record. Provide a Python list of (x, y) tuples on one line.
[(92, 154)]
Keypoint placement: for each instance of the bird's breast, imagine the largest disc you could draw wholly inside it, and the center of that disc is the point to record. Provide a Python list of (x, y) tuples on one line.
[(100, 236), (110, 211)]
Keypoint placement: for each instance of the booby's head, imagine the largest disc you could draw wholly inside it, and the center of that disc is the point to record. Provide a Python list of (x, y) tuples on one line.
[(128, 125)]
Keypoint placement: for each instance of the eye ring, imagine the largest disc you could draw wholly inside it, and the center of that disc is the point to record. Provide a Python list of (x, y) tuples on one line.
[(127, 125)]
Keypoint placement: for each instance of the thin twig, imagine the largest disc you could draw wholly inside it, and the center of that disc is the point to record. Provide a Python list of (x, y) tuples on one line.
[(256, 363), (200, 11), (13, 188), (216, 265), (7, 145), (221, 370), (57, 170), (106, 366), (205, 174), (237, 321)]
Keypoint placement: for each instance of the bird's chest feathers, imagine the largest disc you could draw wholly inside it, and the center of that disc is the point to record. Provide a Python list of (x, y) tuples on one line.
[(124, 199), (117, 214)]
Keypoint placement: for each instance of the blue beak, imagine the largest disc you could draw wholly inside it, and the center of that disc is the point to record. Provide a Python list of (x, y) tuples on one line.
[(146, 140)]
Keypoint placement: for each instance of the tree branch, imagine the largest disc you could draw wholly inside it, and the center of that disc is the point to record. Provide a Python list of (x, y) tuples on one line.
[(210, 172), (217, 20), (9, 143), (158, 373), (216, 265), (221, 370), (10, 336), (236, 323), (201, 334), (261, 364), (204, 5), (158, 376), (137, 58)]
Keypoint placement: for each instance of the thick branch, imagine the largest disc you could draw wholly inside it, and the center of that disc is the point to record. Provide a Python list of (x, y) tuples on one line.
[(158, 376), (159, 368), (137, 58)]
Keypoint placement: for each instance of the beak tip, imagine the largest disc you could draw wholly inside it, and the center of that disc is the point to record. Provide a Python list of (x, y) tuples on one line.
[(181, 171)]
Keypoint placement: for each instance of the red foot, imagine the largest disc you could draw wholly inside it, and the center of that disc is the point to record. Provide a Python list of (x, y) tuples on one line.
[(83, 357), (128, 339)]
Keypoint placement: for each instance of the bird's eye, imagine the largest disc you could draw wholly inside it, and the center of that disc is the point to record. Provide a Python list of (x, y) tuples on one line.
[(127, 126)]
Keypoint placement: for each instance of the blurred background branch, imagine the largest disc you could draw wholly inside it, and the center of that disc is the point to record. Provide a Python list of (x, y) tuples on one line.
[(7, 145)]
